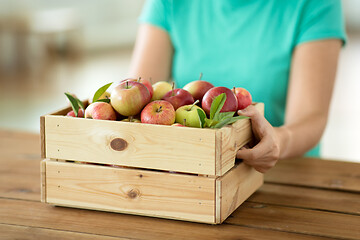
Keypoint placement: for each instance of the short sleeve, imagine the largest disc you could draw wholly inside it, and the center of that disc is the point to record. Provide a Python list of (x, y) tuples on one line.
[(321, 19), (156, 12)]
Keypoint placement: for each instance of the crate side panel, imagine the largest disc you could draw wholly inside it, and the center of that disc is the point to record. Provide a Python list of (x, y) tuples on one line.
[(43, 181), (236, 186), (151, 193), (148, 146), (233, 138)]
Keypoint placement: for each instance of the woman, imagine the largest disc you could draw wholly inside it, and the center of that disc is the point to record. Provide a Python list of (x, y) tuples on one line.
[(284, 52)]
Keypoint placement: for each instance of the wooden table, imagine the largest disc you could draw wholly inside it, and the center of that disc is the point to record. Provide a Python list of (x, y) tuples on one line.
[(303, 198)]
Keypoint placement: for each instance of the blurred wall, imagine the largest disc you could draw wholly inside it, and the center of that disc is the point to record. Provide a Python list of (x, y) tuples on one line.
[(104, 24)]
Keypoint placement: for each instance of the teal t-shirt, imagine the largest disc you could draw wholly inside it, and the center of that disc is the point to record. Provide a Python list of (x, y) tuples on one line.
[(244, 43)]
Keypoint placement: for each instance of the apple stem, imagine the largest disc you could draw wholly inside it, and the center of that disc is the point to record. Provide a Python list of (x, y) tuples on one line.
[(139, 78), (159, 109), (234, 90), (173, 86), (201, 74), (193, 104), (184, 122), (127, 84)]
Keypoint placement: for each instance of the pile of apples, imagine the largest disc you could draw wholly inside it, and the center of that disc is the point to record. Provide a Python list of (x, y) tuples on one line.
[(137, 100)]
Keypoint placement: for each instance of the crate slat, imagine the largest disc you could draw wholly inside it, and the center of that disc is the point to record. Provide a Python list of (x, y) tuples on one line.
[(142, 192), (148, 146)]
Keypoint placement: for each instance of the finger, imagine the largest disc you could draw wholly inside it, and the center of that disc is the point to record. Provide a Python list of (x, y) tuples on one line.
[(258, 121)]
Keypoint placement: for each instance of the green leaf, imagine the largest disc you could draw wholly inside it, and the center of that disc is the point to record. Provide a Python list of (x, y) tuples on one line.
[(224, 115), (100, 92), (104, 100), (230, 120), (80, 103), (74, 103), (222, 123), (202, 117), (217, 105)]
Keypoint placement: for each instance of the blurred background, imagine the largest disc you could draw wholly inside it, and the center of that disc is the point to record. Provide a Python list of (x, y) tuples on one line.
[(49, 47)]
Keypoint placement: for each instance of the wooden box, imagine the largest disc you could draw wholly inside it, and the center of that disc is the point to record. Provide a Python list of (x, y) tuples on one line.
[(154, 170)]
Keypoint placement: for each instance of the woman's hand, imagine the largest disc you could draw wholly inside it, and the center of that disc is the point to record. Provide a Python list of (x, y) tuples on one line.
[(266, 152)]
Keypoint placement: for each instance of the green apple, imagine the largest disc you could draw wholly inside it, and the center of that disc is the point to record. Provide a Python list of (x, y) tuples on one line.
[(160, 89), (188, 115)]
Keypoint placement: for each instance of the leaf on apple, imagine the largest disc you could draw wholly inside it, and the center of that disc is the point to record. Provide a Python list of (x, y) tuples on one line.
[(217, 105), (228, 120), (100, 92), (107, 100), (74, 103), (202, 117)]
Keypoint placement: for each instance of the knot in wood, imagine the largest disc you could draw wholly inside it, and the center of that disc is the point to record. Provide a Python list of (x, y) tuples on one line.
[(118, 144), (133, 193)]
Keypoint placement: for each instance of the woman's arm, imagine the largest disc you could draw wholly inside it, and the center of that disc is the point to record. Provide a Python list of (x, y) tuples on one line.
[(152, 56), (312, 76)]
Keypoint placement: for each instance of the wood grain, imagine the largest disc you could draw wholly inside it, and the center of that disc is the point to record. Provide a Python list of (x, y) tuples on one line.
[(314, 172), (175, 196), (149, 146), (36, 214), (297, 220), (310, 198), (236, 186), (11, 232), (19, 165)]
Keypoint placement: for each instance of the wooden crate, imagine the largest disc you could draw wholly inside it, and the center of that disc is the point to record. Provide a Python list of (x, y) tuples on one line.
[(153, 170), (179, 149)]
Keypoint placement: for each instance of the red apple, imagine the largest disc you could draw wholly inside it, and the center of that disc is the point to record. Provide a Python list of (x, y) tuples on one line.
[(230, 104), (243, 96), (100, 110), (178, 97), (147, 84), (129, 97), (158, 112), (198, 88), (72, 113)]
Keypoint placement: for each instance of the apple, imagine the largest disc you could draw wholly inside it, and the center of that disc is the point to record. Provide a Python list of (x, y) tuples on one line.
[(188, 115), (72, 113), (178, 97), (158, 112), (105, 95), (147, 84), (243, 96), (198, 88), (160, 89), (230, 104), (100, 110), (129, 97)]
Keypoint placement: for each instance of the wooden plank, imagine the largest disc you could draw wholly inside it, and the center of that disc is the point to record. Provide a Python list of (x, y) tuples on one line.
[(315, 172), (233, 138), (236, 186), (150, 193), (43, 180), (297, 220), (36, 214), (19, 165), (180, 149), (311, 198), (42, 136), (11, 232)]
